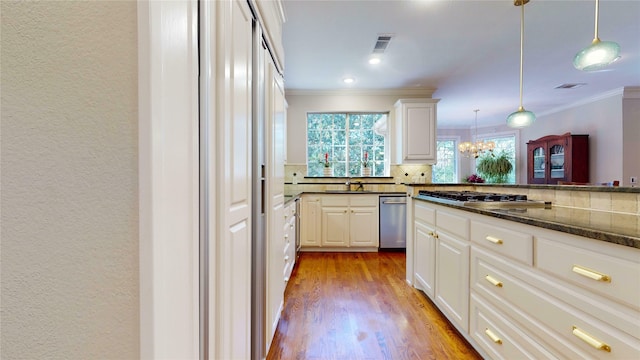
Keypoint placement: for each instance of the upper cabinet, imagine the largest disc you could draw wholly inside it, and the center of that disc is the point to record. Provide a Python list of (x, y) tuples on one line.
[(416, 131), (271, 15), (556, 158)]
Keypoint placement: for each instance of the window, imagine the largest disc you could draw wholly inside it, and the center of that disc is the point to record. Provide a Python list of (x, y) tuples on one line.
[(506, 143), (446, 168), (346, 138)]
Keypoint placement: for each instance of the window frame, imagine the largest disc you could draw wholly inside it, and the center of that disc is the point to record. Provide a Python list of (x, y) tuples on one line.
[(516, 151), (348, 114), (458, 160)]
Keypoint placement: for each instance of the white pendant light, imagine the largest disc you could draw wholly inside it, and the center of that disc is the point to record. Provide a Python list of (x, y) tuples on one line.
[(597, 55), (468, 148), (521, 117)]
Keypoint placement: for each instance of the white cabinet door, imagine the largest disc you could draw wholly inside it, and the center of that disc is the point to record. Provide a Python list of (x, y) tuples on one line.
[(425, 258), (363, 227), (452, 279), (310, 221), (416, 130), (335, 226)]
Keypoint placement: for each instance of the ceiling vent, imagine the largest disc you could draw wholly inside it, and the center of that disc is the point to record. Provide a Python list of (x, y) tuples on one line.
[(381, 44), (570, 86)]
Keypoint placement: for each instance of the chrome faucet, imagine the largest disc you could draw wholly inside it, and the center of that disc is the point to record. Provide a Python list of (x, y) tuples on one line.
[(348, 183)]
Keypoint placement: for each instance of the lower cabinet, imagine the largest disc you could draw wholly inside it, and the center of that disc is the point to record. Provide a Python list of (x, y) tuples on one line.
[(452, 278), (571, 298), (310, 221), (425, 254), (340, 221)]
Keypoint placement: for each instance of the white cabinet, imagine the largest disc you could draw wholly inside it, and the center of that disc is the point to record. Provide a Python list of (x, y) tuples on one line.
[(335, 226), (441, 259), (339, 221), (424, 253), (415, 131), (363, 231), (452, 266), (350, 221), (310, 221), (289, 240), (557, 298)]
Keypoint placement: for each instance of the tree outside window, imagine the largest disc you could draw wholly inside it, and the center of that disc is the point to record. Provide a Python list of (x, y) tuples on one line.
[(345, 137)]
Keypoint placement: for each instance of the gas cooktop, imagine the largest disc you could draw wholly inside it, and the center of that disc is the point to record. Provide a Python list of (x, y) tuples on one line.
[(480, 199)]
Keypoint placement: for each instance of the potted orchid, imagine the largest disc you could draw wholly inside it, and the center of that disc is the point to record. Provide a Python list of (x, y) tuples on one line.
[(326, 165), (366, 169)]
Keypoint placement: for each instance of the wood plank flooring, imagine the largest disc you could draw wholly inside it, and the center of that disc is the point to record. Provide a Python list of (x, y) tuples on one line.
[(359, 306)]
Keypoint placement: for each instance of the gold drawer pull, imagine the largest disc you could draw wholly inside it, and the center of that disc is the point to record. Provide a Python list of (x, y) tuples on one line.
[(591, 340), (493, 281), (494, 240), (591, 274), (493, 336)]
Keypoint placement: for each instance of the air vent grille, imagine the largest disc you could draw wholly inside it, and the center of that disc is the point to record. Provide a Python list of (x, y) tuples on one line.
[(381, 44), (570, 86)]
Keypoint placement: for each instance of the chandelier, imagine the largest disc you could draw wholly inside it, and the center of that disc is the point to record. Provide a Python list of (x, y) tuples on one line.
[(479, 147)]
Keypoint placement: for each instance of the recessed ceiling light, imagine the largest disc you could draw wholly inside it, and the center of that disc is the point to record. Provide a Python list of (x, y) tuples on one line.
[(349, 80), (374, 60)]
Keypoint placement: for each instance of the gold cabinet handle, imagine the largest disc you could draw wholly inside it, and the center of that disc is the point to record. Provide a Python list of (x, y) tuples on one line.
[(591, 274), (494, 240), (493, 281), (493, 336), (590, 340)]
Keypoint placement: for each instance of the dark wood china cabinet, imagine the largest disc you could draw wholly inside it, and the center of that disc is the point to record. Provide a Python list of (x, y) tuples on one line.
[(556, 158)]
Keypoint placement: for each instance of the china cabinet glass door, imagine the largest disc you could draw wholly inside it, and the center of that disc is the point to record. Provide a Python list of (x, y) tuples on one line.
[(538, 163), (556, 161)]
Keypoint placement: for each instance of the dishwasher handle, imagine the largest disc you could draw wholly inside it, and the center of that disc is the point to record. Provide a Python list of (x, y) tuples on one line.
[(390, 202)]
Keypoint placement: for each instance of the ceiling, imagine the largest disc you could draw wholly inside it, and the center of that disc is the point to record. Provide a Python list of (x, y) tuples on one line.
[(467, 50)]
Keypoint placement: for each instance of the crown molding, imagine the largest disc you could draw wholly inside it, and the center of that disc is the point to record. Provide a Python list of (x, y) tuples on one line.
[(589, 100), (422, 92)]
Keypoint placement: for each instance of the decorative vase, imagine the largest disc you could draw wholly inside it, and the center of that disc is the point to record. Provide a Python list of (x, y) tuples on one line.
[(328, 171), (366, 171)]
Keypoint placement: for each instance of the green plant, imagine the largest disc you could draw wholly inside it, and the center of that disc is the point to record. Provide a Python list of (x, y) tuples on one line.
[(495, 168)]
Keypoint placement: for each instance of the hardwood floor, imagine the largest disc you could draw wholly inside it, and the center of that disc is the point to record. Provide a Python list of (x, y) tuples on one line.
[(359, 306)]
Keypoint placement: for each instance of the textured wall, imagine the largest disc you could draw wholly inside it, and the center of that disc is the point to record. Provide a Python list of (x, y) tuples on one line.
[(69, 180)]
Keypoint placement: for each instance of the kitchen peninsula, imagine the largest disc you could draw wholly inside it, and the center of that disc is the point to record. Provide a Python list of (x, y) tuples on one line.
[(561, 281)]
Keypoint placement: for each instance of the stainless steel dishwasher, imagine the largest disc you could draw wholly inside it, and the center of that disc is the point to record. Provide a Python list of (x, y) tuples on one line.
[(393, 227)]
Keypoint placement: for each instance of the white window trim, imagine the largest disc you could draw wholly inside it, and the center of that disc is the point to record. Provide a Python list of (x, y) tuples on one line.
[(456, 139), (516, 133)]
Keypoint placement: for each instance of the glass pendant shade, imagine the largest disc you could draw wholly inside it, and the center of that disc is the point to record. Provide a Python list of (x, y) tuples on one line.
[(521, 118), (597, 55)]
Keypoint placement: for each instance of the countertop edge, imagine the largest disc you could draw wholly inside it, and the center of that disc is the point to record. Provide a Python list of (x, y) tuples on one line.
[(566, 228)]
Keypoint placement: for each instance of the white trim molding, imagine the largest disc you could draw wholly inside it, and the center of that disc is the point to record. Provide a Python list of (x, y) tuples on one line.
[(168, 179)]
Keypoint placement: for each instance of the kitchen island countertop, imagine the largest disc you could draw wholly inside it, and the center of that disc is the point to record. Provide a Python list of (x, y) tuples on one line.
[(617, 228)]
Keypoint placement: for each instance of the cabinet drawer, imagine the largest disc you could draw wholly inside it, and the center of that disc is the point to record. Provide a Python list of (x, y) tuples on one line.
[(516, 245), (335, 200), (453, 224), (610, 276), (551, 319), (363, 200), (423, 213), (501, 338)]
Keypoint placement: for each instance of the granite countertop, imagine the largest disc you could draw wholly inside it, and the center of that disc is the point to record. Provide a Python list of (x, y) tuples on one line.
[(611, 227)]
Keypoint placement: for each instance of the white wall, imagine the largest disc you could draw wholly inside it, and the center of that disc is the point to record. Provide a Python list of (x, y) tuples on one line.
[(301, 102), (69, 180), (601, 119)]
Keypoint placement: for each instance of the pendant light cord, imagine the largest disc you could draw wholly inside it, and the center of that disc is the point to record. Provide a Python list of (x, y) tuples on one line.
[(522, 51), (595, 33)]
